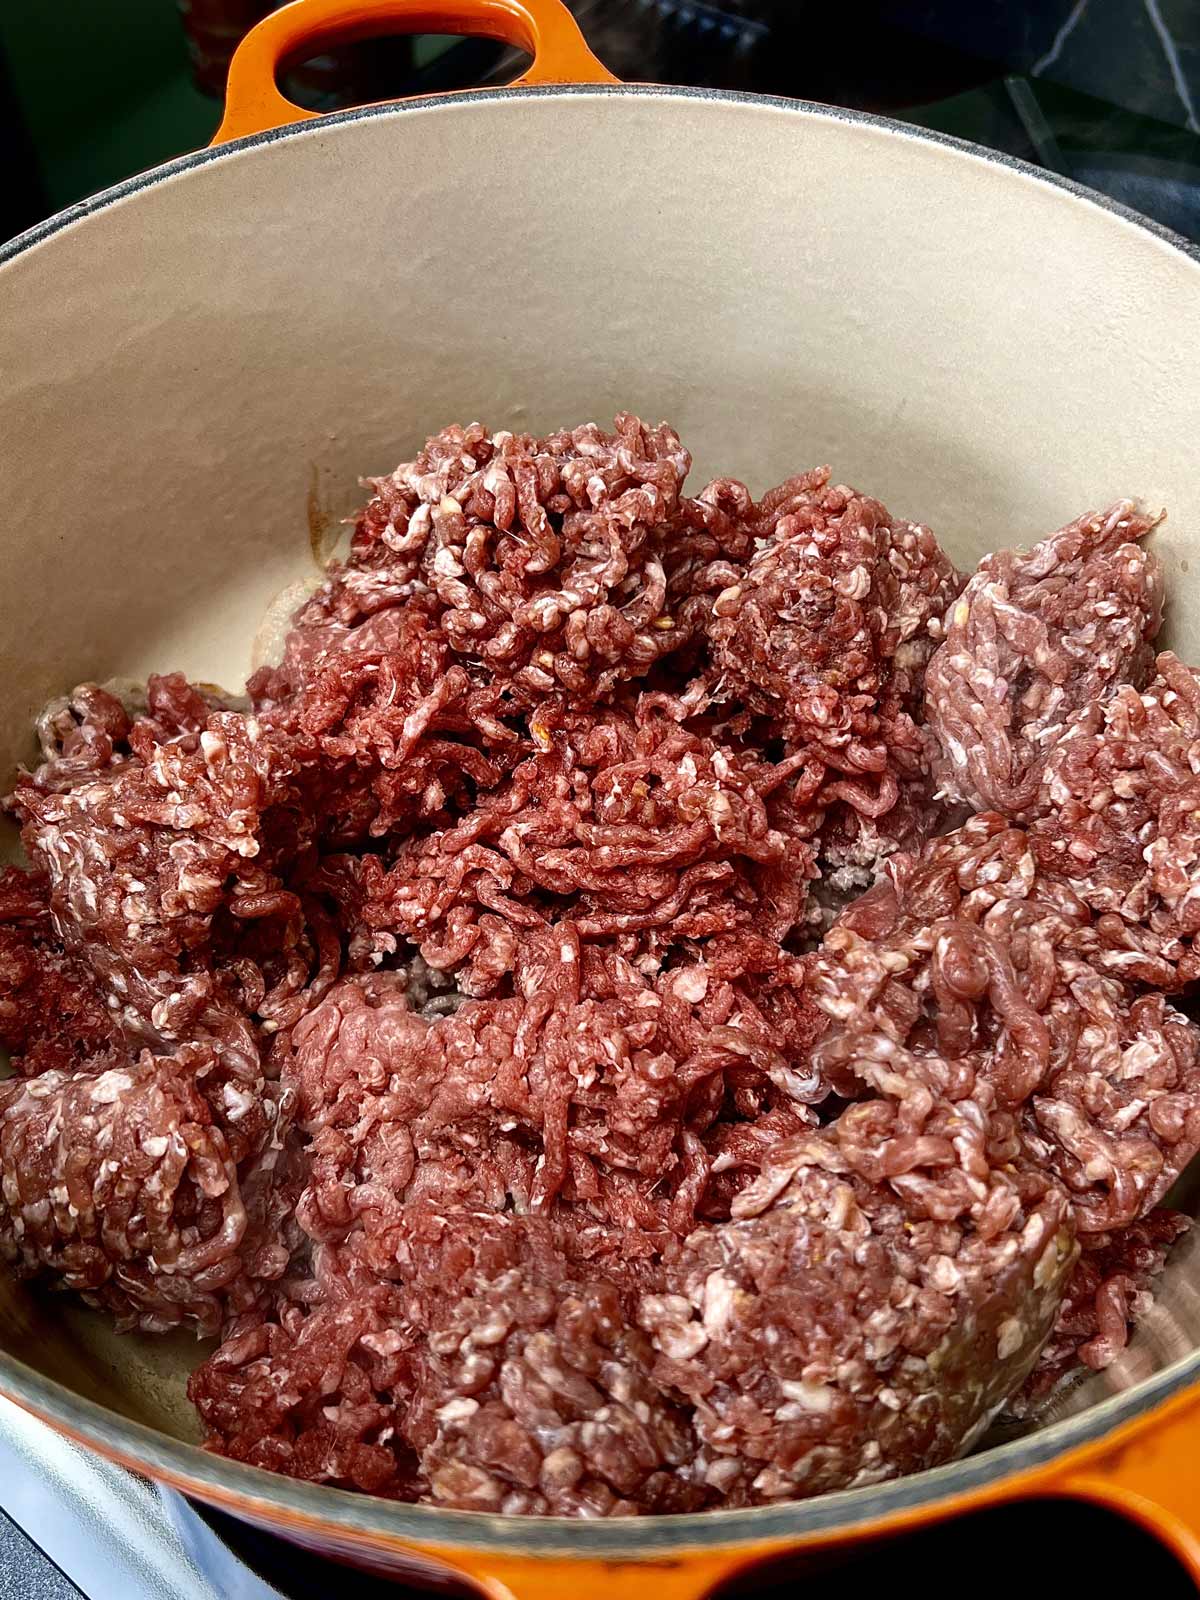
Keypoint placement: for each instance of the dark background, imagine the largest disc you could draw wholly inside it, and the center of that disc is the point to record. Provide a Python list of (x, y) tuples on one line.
[(1106, 91)]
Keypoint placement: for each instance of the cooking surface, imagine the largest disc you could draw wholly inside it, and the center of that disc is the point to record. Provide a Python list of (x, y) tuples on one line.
[(1106, 94)]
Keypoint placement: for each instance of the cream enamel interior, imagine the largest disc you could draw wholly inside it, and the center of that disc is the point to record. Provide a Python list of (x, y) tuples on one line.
[(193, 372)]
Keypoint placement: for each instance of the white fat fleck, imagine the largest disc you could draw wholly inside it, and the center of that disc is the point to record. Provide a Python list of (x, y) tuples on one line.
[(237, 1101), (446, 564), (944, 1275), (854, 585), (810, 1396), (690, 984), (110, 1086), (1010, 1337), (720, 1295), (383, 1344), (457, 1410), (723, 1473)]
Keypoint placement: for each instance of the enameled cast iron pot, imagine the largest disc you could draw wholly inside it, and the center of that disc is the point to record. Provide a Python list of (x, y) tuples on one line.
[(196, 366)]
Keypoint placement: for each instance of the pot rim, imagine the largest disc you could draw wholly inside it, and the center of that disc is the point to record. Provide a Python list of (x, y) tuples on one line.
[(128, 187), (367, 1517)]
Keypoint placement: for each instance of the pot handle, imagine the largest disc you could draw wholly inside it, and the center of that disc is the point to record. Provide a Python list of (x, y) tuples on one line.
[(692, 1575), (1149, 1474), (544, 28)]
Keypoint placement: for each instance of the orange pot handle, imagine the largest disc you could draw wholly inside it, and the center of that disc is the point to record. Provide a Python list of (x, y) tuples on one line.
[(1149, 1473), (253, 102)]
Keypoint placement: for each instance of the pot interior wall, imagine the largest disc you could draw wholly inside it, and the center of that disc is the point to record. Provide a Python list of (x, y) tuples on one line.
[(194, 377)]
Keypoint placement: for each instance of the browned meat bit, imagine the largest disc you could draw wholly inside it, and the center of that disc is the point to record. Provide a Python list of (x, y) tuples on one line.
[(1032, 640), (119, 1185), (826, 634), (1120, 822)]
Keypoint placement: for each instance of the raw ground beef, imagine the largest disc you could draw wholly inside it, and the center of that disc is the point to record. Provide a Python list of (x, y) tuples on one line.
[(825, 634), (120, 1183), (1034, 637), (1119, 820), (476, 1029), (1111, 1287)]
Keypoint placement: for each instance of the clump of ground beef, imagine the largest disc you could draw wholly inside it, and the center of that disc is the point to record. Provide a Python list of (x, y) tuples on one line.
[(1033, 638), (476, 1027), (824, 636), (1118, 818), (1111, 1288), (121, 1183)]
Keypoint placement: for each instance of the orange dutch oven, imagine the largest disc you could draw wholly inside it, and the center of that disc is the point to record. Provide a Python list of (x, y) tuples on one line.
[(198, 364)]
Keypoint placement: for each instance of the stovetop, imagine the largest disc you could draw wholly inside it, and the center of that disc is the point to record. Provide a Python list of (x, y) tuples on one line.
[(1104, 91)]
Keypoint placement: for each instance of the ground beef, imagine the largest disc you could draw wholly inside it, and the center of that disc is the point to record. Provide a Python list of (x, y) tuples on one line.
[(385, 731), (50, 1013), (500, 1371), (841, 1335), (825, 635), (162, 885), (522, 1365), (965, 972), (456, 1025), (94, 729), (593, 1084), (1111, 1287), (1119, 820), (1033, 638), (519, 1367), (121, 1185), (541, 560), (621, 821), (1117, 1116)]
